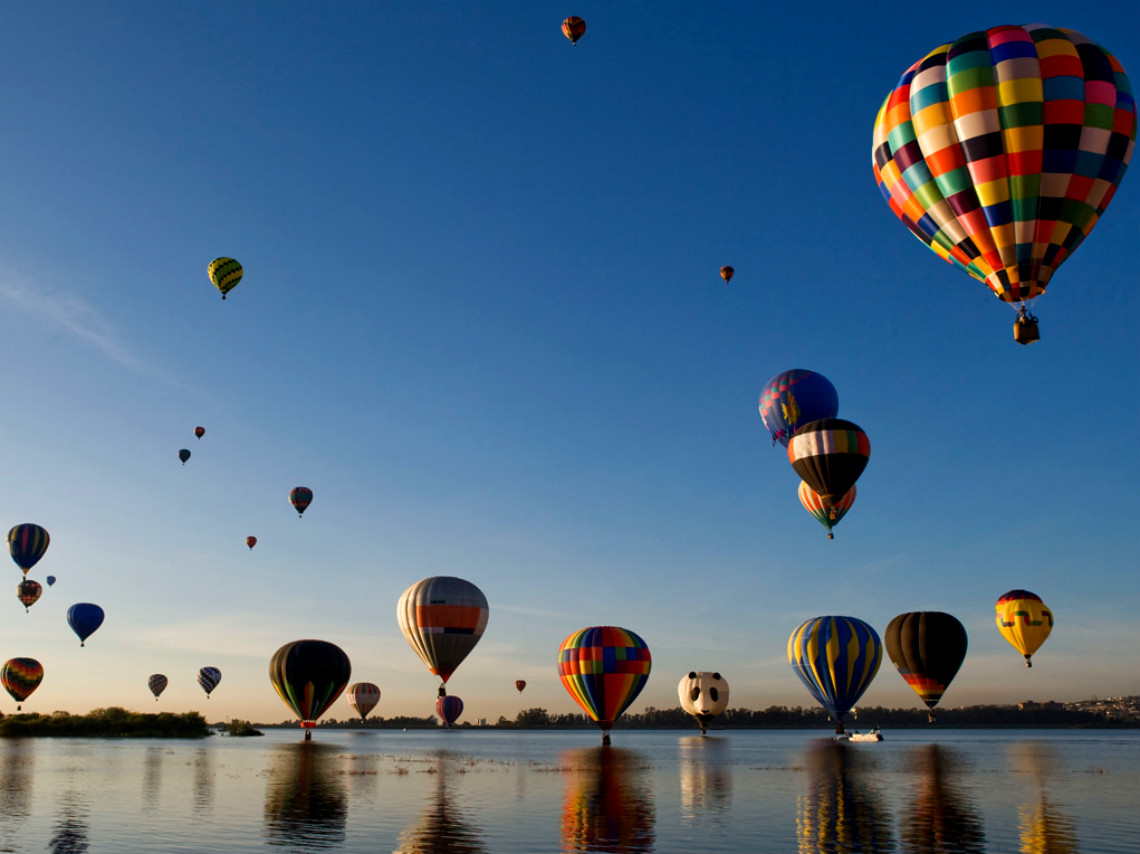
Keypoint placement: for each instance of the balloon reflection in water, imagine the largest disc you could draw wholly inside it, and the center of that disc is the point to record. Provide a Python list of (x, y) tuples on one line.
[(306, 804), (941, 818), (706, 778), (69, 836), (842, 810), (442, 827), (608, 806), (1044, 829)]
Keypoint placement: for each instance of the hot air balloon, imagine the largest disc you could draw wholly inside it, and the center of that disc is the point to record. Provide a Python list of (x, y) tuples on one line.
[(1024, 621), (604, 668), (704, 695), (449, 708), (84, 618), (927, 648), (794, 398), (836, 658), (157, 684), (184, 455), (442, 617), (27, 544), (50, 580), (300, 497), (829, 518), (1001, 150), (363, 696), (251, 542), (309, 675), (520, 684), (28, 591), (20, 677), (208, 678), (726, 273), (225, 273), (199, 432), (829, 455), (573, 28)]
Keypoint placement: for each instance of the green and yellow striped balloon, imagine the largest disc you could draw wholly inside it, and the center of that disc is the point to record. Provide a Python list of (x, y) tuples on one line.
[(225, 273)]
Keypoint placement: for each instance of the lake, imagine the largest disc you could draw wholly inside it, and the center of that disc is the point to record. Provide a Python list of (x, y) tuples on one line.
[(468, 791)]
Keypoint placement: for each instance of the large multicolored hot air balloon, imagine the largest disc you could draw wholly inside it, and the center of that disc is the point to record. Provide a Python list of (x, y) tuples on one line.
[(208, 678), (927, 648), (300, 497), (604, 668), (442, 618), (727, 273), (27, 543), (449, 708), (308, 676), (28, 592), (829, 518), (157, 683), (1024, 621), (573, 28), (224, 273), (836, 658), (84, 618), (363, 697), (704, 695), (829, 455), (1002, 149), (20, 677), (794, 398)]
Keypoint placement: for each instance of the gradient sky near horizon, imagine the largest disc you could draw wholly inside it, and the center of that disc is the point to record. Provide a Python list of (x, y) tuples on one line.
[(482, 320)]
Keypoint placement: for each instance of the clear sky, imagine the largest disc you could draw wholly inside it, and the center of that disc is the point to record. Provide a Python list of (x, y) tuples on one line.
[(482, 319)]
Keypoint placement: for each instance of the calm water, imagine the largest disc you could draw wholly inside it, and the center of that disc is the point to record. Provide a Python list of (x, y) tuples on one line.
[(463, 792)]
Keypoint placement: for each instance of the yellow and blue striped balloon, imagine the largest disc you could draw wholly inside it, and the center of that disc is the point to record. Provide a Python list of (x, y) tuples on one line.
[(836, 658)]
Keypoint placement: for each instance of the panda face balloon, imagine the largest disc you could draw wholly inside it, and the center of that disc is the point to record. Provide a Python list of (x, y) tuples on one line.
[(704, 695)]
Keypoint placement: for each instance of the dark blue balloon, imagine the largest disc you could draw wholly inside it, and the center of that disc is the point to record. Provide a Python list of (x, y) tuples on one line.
[(84, 618), (792, 399)]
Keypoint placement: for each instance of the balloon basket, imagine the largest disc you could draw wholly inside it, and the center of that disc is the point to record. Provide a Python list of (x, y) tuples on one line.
[(1025, 328)]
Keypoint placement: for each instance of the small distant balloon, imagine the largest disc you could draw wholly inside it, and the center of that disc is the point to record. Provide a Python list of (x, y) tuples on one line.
[(300, 497), (28, 591), (251, 542), (520, 684), (199, 432), (363, 697), (27, 543), (157, 684), (225, 273), (50, 580), (20, 677), (208, 678), (573, 28), (726, 273), (84, 618), (184, 455), (449, 708), (1024, 620)]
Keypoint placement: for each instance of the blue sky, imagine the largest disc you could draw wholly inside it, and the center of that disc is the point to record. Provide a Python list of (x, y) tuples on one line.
[(481, 318)]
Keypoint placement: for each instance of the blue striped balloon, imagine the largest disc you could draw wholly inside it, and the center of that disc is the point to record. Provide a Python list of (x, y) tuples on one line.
[(836, 658)]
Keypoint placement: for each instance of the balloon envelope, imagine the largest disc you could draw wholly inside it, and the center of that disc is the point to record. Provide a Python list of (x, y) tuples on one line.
[(309, 675), (794, 398), (836, 658), (829, 455), (251, 542), (184, 455), (84, 618), (520, 684), (225, 273), (604, 668), (442, 618), (208, 678), (28, 591), (449, 708), (363, 697), (50, 580), (27, 543), (703, 694), (829, 518), (300, 497), (573, 28), (199, 432), (21, 676), (727, 273), (1001, 150), (157, 684), (1024, 621), (927, 648)]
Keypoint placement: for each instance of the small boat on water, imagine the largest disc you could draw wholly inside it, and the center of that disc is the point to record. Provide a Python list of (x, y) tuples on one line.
[(872, 734)]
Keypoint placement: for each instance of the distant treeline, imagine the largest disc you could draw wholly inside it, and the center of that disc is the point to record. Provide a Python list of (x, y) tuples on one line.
[(114, 722), (781, 717)]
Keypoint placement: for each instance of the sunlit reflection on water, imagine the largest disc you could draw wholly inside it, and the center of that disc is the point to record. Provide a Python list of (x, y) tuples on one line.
[(442, 828), (306, 805), (706, 778), (608, 805), (842, 810), (942, 818)]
